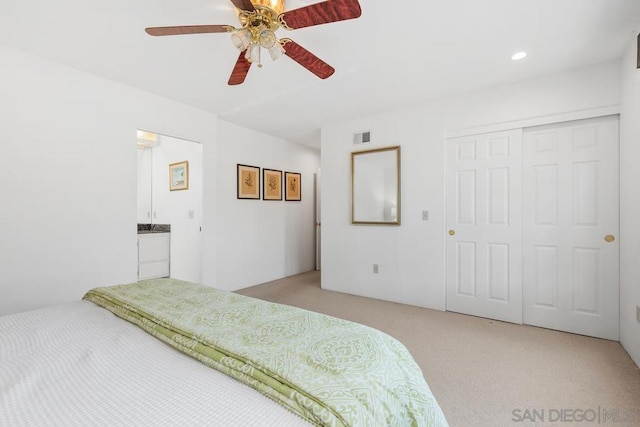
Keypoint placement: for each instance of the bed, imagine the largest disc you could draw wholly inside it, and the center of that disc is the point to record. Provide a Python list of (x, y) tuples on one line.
[(167, 352)]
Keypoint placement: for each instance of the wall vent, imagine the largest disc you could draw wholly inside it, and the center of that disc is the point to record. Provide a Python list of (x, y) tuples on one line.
[(362, 137)]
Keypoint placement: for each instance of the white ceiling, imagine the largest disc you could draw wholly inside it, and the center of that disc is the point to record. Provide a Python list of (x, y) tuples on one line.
[(398, 53)]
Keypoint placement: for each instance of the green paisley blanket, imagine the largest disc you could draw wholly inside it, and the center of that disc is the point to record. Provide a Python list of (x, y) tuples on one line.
[(329, 371)]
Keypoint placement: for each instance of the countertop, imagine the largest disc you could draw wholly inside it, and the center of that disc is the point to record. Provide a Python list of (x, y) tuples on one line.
[(154, 228)]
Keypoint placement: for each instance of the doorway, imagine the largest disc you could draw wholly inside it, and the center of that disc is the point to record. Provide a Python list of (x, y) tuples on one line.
[(178, 206)]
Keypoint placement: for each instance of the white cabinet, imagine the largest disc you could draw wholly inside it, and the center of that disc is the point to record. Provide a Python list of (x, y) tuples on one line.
[(153, 255)]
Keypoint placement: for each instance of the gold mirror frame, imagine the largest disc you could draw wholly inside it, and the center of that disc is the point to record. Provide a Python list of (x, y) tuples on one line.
[(375, 198)]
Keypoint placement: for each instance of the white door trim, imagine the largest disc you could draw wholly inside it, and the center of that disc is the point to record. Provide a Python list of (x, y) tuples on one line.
[(590, 113)]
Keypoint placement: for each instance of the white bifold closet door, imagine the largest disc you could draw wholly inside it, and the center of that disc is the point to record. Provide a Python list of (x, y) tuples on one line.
[(484, 247), (533, 220), (570, 227)]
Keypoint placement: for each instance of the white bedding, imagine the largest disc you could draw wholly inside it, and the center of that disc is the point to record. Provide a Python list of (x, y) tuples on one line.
[(79, 365)]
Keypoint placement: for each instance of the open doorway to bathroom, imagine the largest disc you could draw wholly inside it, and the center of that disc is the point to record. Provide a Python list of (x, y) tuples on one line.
[(169, 200)]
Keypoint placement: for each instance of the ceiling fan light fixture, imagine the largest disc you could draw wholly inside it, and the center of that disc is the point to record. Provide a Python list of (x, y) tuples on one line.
[(241, 39), (247, 53), (276, 51), (267, 38), (253, 54)]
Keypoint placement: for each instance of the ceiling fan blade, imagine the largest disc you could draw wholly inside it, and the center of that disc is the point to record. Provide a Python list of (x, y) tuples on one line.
[(321, 13), (244, 5), (240, 70), (187, 29), (307, 59)]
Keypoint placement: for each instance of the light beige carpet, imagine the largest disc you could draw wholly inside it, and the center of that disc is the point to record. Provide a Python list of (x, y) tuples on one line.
[(489, 373)]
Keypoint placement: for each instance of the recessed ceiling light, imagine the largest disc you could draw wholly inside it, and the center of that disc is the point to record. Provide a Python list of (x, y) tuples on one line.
[(518, 56)]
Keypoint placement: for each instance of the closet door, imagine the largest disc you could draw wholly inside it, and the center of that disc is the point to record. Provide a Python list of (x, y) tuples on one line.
[(484, 247), (570, 227)]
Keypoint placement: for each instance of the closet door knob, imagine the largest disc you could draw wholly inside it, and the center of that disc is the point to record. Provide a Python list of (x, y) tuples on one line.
[(452, 233), (609, 238)]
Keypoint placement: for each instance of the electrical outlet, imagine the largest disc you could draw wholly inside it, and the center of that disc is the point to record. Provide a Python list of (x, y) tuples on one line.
[(425, 215), (638, 313), (375, 268)]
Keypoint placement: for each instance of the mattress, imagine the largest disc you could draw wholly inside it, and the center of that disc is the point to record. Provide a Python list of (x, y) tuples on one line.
[(78, 365)]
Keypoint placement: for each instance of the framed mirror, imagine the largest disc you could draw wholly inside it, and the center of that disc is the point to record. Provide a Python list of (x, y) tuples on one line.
[(375, 186)]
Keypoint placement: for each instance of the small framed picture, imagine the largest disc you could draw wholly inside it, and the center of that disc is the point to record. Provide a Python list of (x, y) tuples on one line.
[(248, 178), (293, 189), (271, 184), (179, 176)]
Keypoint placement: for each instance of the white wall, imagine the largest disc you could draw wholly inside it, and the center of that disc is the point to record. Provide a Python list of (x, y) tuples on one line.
[(260, 240), (411, 257), (630, 204), (173, 207), (144, 185), (68, 197), (68, 194)]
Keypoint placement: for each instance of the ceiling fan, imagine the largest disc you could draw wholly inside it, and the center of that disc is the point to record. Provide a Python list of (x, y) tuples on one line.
[(259, 19)]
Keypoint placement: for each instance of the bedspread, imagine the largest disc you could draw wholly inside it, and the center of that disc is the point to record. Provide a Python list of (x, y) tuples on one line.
[(329, 371)]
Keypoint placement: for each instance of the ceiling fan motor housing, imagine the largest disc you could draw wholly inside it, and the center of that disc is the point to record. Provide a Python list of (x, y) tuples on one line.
[(265, 14), (275, 5)]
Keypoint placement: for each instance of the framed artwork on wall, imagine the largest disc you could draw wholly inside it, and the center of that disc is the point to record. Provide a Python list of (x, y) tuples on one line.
[(179, 176), (293, 189), (248, 182), (271, 184)]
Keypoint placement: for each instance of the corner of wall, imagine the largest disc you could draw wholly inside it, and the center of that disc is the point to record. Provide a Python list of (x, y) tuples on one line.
[(630, 206)]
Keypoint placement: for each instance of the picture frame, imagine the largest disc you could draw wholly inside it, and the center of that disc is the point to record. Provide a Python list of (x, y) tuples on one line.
[(271, 184), (293, 186), (179, 176), (248, 182)]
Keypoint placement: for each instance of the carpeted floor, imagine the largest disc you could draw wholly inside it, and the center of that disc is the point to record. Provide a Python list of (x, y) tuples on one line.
[(490, 373)]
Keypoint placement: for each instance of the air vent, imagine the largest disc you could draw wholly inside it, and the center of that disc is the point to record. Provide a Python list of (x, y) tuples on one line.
[(362, 137)]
